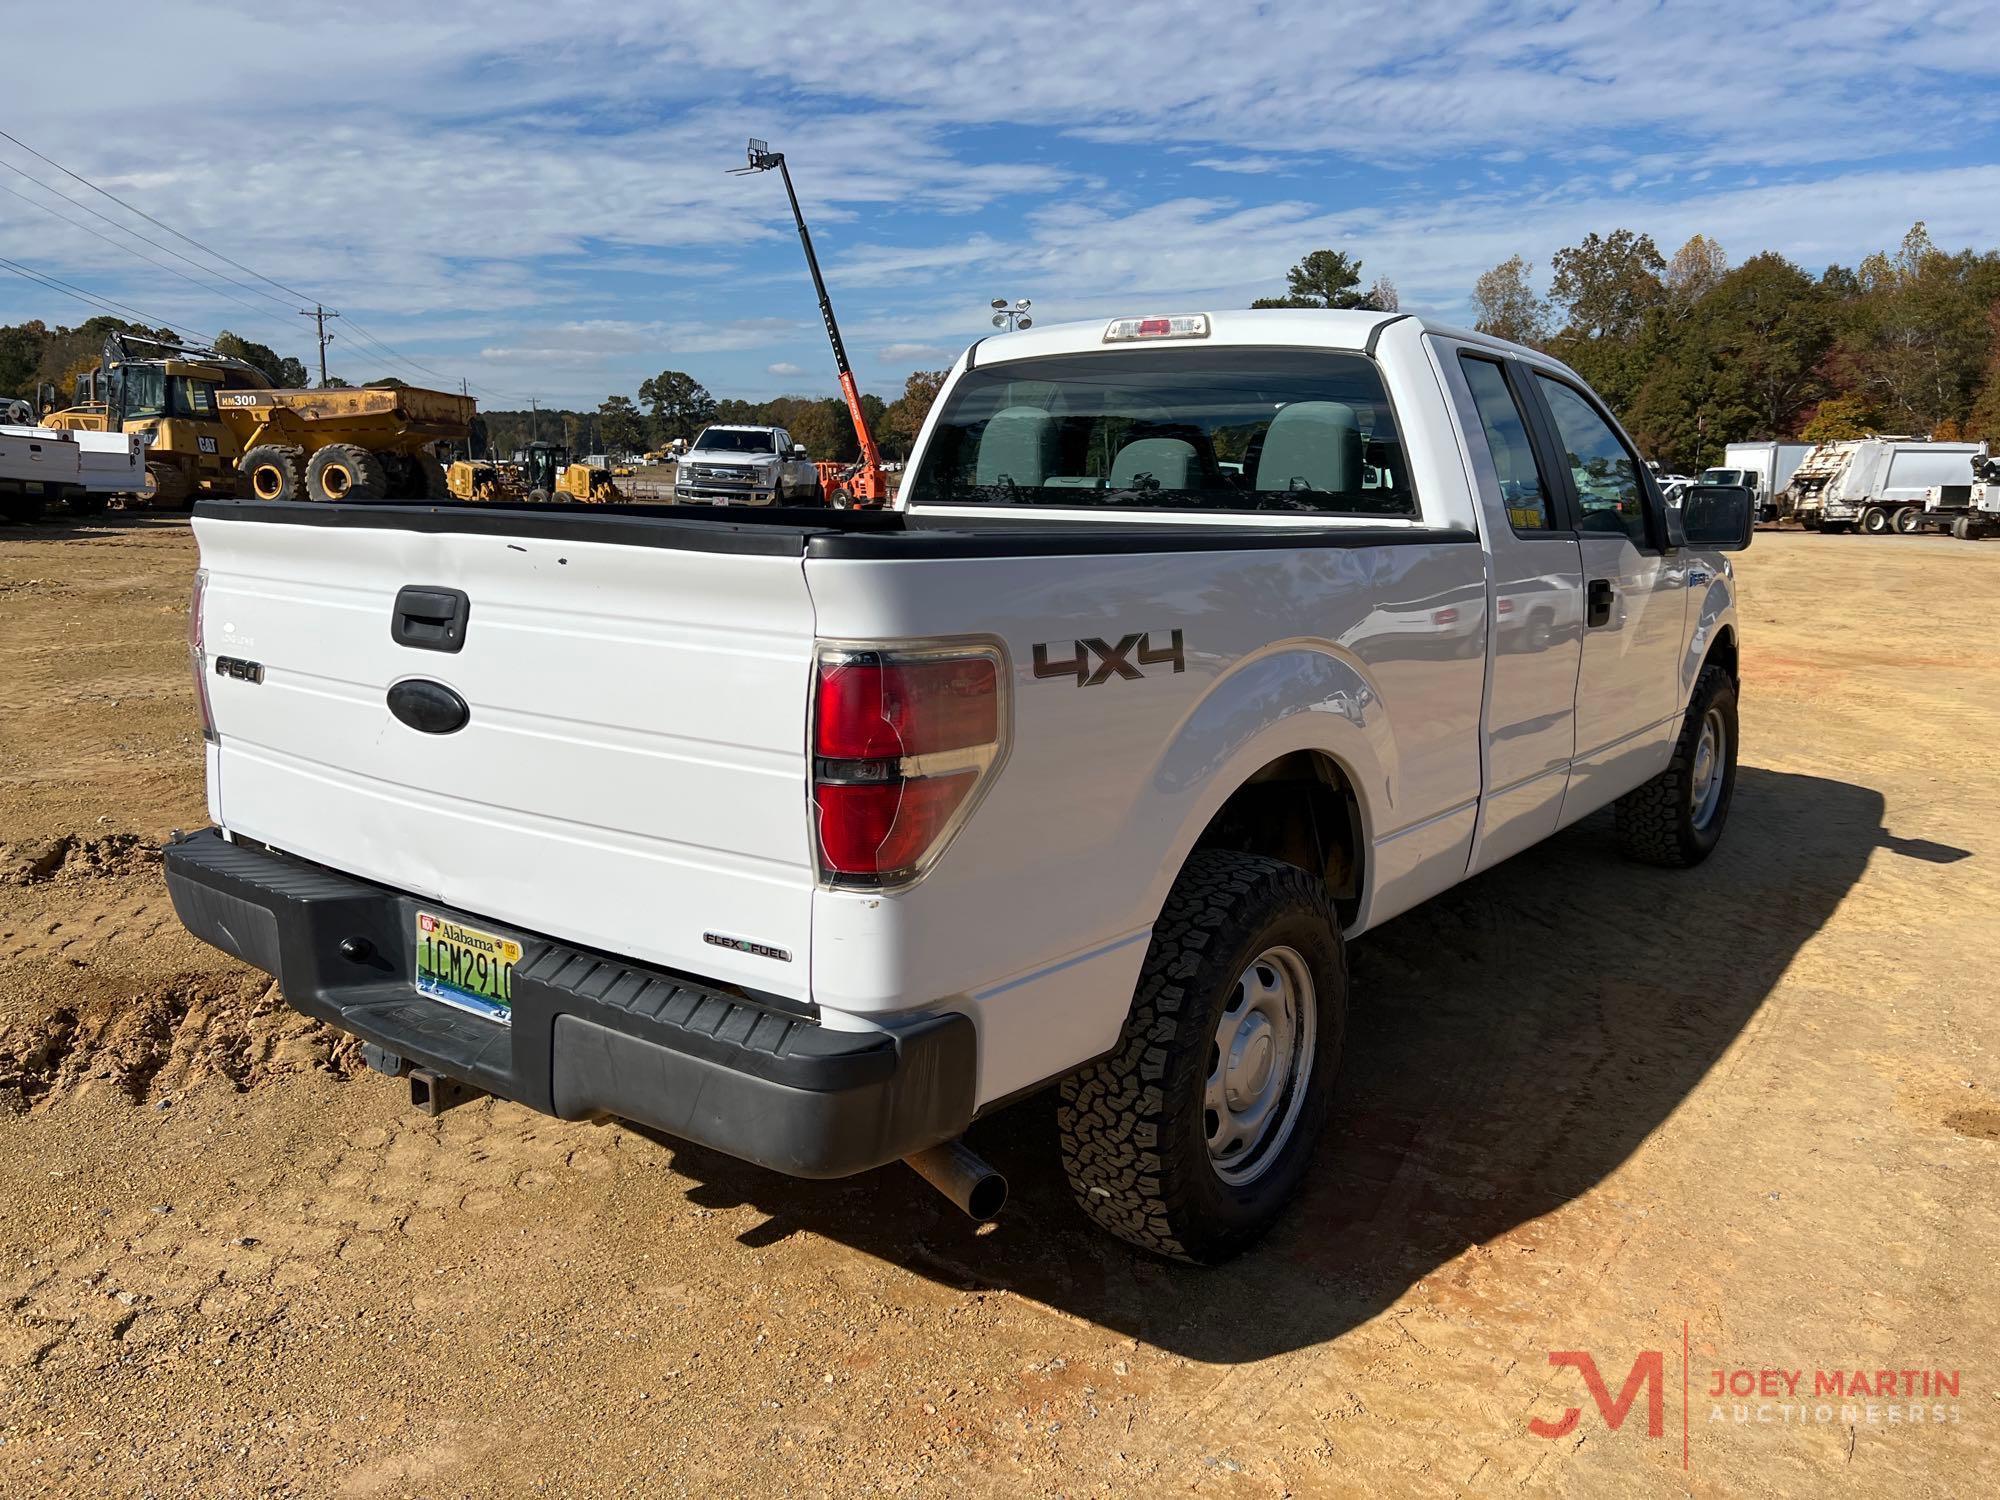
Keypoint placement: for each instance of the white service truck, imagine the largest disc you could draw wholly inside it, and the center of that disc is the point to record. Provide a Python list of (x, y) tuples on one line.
[(1876, 485), (79, 470), (1196, 646), (1969, 511), (1765, 467), (736, 465)]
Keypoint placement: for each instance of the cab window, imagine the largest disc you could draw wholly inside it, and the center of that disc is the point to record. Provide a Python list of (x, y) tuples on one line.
[(1609, 493), (190, 397), (1522, 488)]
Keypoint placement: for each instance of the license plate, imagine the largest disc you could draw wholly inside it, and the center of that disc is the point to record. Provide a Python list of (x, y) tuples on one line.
[(465, 967)]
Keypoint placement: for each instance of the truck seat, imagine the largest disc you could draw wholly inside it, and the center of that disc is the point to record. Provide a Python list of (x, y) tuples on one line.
[(1311, 445), (1019, 444)]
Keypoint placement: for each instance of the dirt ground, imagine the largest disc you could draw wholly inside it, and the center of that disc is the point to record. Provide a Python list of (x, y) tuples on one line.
[(1743, 1119)]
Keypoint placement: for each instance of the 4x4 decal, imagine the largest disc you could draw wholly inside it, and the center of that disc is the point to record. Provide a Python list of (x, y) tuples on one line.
[(1112, 661)]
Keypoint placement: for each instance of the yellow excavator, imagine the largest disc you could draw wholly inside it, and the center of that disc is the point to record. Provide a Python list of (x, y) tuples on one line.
[(166, 395)]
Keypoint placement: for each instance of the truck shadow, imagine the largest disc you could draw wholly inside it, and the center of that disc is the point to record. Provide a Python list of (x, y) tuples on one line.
[(1510, 1044)]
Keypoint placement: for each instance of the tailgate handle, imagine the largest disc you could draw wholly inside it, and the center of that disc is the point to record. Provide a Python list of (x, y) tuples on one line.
[(430, 619)]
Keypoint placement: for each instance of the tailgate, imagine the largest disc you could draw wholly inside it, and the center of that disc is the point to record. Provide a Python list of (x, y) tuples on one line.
[(631, 775)]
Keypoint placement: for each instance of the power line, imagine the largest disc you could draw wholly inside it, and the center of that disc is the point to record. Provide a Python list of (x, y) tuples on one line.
[(127, 229), (366, 336), (92, 299), (301, 296), (117, 245)]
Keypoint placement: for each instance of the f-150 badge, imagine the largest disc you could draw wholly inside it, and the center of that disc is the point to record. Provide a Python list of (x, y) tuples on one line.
[(1128, 658)]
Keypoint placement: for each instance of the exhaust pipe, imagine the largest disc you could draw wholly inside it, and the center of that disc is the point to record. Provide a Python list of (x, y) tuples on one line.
[(963, 1176)]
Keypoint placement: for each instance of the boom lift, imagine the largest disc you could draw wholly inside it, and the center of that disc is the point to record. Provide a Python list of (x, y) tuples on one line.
[(847, 485)]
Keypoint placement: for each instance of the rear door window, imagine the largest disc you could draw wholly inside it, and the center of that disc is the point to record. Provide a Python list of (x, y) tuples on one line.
[(1530, 503)]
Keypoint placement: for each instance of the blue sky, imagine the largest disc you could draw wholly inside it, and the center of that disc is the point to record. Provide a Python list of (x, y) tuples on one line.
[(534, 196)]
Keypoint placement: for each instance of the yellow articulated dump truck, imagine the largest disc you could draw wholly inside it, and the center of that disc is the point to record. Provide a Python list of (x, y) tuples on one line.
[(360, 443), (213, 425)]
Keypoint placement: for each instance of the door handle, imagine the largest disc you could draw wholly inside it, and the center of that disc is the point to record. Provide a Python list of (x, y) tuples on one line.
[(1598, 602), (429, 619)]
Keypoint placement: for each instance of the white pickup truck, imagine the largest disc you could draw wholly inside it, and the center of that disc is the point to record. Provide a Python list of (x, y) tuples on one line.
[(745, 466), (1197, 646)]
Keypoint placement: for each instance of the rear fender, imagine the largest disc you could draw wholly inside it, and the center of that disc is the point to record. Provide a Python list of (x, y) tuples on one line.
[(1295, 696)]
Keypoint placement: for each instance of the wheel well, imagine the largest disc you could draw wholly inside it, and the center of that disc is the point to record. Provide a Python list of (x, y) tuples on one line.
[(1300, 809), (1723, 653)]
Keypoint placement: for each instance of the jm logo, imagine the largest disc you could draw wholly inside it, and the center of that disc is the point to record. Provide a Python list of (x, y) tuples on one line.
[(1648, 1370), (1126, 659)]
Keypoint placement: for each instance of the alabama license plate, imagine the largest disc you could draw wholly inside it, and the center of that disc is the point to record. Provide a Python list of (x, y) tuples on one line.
[(465, 967)]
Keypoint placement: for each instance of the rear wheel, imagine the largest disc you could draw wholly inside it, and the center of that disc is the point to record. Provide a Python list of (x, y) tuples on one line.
[(1875, 521), (341, 471), (1191, 1137), (173, 486), (269, 472), (1910, 520), (434, 487), (1676, 819), (1964, 528), (84, 503)]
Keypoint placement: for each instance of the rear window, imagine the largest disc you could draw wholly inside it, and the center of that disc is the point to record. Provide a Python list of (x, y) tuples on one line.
[(1171, 429)]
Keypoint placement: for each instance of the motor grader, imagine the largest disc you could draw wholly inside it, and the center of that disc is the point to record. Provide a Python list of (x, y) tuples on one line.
[(547, 472)]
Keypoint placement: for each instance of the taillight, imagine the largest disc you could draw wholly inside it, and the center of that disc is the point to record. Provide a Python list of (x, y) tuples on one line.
[(198, 655), (903, 741)]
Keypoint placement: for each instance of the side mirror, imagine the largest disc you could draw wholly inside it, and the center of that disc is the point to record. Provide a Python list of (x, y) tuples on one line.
[(798, 450), (1718, 517)]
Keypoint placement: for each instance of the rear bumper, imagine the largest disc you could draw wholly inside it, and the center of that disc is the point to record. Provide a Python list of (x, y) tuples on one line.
[(590, 1034)]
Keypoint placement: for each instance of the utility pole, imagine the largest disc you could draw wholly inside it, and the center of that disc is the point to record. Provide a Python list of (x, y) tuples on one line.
[(319, 315), (534, 418), (465, 390)]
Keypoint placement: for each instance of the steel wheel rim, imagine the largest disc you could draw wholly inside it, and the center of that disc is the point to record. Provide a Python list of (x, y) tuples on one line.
[(1258, 1065), (336, 480), (1705, 784)]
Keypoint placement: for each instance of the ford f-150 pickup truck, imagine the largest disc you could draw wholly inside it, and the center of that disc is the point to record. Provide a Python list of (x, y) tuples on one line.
[(1196, 646)]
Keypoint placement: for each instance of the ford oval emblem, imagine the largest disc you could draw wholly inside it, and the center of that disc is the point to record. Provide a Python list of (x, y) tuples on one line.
[(428, 707)]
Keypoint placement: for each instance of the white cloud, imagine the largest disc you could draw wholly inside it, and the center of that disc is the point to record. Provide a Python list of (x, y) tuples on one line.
[(1249, 166), (537, 196), (784, 367)]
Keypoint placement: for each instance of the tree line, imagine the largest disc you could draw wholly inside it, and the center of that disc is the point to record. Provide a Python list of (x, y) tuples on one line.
[(1694, 353), (673, 404)]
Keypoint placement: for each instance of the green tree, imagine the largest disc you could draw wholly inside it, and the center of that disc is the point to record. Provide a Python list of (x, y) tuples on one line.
[(623, 425), (1915, 339), (1608, 289), (1509, 307), (1838, 419), (281, 370), (680, 406), (1326, 278), (904, 418)]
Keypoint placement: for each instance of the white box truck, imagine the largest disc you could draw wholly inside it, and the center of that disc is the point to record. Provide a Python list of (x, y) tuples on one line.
[(1762, 468)]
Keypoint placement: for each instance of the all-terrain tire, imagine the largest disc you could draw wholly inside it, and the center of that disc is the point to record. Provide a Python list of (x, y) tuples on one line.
[(1132, 1126), (433, 475), (1662, 822), (271, 472), (342, 471)]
